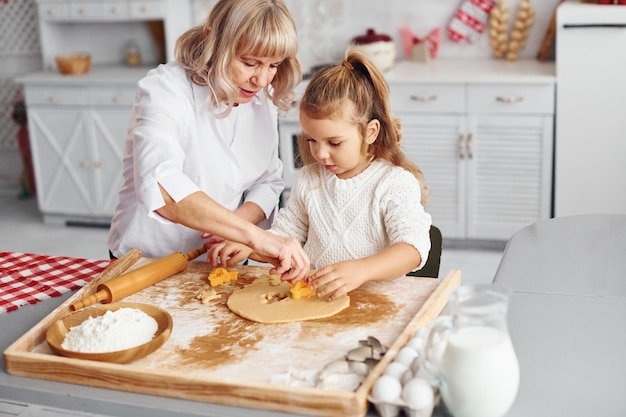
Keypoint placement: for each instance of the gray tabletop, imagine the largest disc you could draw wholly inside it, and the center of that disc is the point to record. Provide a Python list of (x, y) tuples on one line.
[(567, 316)]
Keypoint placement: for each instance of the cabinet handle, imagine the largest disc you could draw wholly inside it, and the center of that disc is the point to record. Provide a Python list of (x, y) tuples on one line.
[(424, 98), (143, 8), (470, 146), (117, 99), (82, 11), (84, 163), (53, 99), (52, 12), (509, 99), (461, 146), (99, 164)]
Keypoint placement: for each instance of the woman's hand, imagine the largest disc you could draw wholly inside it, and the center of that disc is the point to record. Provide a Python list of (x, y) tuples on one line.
[(336, 280), (286, 254)]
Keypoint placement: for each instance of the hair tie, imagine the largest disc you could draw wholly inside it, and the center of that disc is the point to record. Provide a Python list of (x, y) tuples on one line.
[(207, 30), (346, 64)]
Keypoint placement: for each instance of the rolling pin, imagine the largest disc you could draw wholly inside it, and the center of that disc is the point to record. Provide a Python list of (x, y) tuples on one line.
[(138, 279)]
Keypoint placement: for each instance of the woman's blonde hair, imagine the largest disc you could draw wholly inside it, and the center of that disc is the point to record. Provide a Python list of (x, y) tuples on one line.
[(358, 80), (235, 28)]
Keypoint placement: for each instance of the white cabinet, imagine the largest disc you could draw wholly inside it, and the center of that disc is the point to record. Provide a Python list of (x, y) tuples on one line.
[(77, 135), (78, 124), (485, 149)]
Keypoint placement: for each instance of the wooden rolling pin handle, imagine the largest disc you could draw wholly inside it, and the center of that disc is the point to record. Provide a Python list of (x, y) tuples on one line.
[(100, 296), (195, 253)]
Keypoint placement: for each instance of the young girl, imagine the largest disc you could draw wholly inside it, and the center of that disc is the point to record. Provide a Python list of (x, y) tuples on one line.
[(358, 204)]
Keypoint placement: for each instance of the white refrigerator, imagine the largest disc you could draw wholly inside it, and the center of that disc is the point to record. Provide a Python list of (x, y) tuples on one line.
[(590, 135)]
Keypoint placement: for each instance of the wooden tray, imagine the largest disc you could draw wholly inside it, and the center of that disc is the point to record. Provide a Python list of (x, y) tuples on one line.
[(215, 356)]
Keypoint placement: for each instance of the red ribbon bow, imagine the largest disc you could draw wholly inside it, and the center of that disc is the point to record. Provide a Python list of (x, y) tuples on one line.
[(431, 41)]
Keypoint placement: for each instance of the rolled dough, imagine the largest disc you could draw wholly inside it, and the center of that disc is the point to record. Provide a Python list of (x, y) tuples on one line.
[(268, 300)]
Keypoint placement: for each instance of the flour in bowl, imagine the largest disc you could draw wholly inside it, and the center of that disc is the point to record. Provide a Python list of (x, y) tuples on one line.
[(121, 329)]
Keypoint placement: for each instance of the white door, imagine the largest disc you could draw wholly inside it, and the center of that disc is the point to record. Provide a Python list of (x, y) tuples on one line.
[(432, 142), (63, 166), (109, 133), (508, 175)]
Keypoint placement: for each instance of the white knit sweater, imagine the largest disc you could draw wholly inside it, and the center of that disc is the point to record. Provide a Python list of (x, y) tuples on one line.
[(341, 219)]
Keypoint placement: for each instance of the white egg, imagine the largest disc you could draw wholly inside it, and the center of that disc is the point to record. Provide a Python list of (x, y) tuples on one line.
[(416, 343), (406, 355), (418, 394), (387, 389), (416, 365), (421, 333), (396, 369), (406, 377)]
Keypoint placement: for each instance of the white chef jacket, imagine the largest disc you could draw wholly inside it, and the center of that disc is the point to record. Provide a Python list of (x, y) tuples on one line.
[(175, 140)]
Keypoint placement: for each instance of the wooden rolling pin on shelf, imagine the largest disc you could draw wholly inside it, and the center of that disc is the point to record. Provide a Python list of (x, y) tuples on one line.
[(138, 279)]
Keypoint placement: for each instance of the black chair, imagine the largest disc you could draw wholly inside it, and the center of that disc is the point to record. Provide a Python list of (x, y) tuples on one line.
[(431, 268)]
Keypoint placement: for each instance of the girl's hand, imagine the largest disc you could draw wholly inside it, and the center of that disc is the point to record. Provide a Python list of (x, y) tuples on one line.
[(336, 280), (227, 253), (212, 239)]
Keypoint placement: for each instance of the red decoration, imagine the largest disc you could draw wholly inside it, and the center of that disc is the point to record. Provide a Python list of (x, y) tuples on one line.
[(470, 20), (430, 41)]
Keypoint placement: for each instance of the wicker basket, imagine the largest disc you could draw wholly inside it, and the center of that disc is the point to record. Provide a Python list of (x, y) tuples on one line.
[(73, 64)]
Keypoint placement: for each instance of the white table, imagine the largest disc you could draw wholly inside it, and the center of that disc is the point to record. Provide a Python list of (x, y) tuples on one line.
[(567, 316), (580, 255)]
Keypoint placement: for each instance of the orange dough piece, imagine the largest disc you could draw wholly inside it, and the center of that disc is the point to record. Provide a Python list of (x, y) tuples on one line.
[(219, 276), (301, 290)]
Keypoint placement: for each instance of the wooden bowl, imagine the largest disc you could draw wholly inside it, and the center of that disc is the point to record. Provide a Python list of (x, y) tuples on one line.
[(57, 332), (73, 64)]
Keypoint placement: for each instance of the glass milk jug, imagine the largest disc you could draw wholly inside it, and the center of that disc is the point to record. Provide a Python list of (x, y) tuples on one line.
[(469, 353)]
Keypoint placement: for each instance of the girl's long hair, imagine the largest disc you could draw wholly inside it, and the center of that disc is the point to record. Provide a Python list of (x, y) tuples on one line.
[(234, 28), (358, 80)]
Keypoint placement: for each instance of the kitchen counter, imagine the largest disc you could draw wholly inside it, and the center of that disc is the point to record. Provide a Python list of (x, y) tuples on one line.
[(113, 75), (487, 71)]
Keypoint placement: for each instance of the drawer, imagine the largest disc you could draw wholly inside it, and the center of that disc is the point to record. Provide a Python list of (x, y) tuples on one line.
[(84, 10), (53, 11), (511, 98), (146, 9), (61, 96), (114, 10), (425, 98), (112, 96)]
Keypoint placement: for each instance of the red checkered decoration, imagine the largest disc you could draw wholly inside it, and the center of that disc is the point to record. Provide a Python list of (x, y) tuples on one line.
[(470, 20), (27, 278)]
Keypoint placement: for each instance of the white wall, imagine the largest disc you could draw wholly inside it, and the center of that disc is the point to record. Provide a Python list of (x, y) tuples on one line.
[(325, 27)]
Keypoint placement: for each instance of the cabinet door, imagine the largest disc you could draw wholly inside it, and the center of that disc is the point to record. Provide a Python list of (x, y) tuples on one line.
[(109, 132), (509, 174), (62, 160), (432, 142)]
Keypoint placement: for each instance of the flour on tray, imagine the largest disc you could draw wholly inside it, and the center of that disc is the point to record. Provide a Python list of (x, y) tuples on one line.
[(121, 329)]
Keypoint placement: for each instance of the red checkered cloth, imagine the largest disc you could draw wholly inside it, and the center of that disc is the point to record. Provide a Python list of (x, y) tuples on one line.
[(27, 279)]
